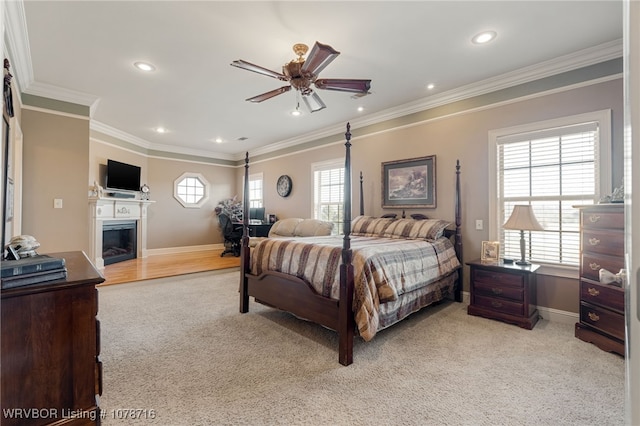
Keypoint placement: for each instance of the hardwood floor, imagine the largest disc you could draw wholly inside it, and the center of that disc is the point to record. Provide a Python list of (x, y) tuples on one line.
[(159, 266)]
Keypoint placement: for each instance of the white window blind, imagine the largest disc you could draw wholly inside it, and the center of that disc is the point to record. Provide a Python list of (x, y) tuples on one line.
[(552, 170), (328, 194)]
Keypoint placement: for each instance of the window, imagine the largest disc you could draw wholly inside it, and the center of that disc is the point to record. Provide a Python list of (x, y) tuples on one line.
[(255, 190), (328, 193), (191, 190), (552, 166)]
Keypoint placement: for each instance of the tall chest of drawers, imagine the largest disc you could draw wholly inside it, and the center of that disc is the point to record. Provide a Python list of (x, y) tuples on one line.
[(601, 305)]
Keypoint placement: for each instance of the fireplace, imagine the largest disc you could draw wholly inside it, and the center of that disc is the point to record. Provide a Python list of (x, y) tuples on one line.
[(119, 241)]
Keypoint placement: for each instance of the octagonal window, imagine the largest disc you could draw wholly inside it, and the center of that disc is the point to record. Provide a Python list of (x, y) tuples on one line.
[(191, 190)]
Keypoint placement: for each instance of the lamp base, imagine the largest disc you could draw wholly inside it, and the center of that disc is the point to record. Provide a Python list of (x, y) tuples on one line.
[(523, 263)]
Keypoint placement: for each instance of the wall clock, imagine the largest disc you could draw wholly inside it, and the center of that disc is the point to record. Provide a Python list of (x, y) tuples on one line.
[(284, 186)]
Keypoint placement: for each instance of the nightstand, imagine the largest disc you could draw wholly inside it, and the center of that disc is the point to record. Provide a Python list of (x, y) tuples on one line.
[(505, 292)]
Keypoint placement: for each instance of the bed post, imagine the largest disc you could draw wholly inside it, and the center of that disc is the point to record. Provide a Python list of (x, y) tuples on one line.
[(346, 322), (458, 236), (361, 196), (244, 253)]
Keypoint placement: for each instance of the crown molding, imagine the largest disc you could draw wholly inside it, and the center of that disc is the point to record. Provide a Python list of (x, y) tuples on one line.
[(142, 143), (58, 93), (18, 43)]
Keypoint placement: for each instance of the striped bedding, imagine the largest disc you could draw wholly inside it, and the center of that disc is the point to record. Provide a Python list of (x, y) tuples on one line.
[(385, 270)]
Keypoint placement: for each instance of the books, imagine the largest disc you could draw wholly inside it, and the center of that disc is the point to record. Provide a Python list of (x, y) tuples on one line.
[(33, 278), (29, 265)]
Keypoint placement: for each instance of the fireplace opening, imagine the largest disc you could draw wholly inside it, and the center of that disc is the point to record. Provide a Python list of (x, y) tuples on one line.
[(119, 241)]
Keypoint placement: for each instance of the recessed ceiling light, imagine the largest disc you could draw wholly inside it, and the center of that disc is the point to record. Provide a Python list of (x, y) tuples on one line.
[(296, 113), (144, 66), (218, 140), (484, 37), (161, 130), (360, 109), (430, 86)]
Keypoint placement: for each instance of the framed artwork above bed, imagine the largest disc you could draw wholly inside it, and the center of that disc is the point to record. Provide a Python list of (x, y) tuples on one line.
[(409, 183)]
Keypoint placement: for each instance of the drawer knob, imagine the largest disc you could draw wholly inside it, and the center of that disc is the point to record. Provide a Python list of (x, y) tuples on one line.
[(593, 316), (496, 304), (594, 266), (496, 290), (593, 291), (594, 241), (594, 218)]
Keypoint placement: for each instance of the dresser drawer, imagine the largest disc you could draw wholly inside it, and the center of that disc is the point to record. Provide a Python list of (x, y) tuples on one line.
[(602, 220), (603, 242), (603, 319), (498, 279), (602, 295), (500, 305), (506, 292), (591, 265)]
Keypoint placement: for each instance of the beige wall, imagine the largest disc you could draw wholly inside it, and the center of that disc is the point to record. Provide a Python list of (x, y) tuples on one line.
[(170, 225), (55, 153), (462, 135)]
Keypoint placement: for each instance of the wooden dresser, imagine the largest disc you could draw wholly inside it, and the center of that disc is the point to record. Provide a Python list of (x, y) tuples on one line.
[(601, 305), (51, 372)]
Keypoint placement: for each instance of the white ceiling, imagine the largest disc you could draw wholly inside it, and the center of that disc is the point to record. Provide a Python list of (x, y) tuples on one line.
[(84, 52)]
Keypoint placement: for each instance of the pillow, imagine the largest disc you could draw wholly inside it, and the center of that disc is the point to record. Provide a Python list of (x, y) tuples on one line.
[(430, 229), (312, 228), (367, 226), (285, 227)]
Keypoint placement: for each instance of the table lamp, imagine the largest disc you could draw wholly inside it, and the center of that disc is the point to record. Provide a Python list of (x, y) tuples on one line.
[(523, 219)]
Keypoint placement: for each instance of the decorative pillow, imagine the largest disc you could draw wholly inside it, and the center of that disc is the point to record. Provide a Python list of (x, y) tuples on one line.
[(430, 229), (367, 226)]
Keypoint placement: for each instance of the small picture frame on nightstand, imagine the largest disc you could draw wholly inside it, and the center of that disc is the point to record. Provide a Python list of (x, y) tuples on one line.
[(490, 251)]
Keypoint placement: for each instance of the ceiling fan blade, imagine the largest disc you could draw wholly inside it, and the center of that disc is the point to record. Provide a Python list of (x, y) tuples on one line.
[(256, 68), (313, 102), (269, 95), (344, 85), (320, 56)]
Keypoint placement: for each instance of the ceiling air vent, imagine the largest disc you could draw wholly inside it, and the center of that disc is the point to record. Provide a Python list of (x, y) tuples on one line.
[(242, 138)]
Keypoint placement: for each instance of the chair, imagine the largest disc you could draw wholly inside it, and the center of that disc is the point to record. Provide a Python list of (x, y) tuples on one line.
[(232, 235)]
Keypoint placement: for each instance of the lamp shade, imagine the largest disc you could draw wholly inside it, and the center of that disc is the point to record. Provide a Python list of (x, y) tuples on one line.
[(523, 219)]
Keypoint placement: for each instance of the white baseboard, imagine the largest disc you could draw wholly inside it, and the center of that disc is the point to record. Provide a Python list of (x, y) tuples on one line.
[(556, 315), (184, 249)]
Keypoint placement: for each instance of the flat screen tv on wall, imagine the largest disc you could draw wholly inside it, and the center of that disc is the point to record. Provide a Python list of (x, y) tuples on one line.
[(122, 176)]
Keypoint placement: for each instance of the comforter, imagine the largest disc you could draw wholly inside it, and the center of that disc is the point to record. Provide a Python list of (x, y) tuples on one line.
[(384, 268)]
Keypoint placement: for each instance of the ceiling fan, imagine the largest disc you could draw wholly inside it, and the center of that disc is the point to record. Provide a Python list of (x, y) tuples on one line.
[(301, 73)]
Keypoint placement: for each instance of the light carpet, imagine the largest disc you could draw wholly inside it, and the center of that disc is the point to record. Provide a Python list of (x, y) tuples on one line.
[(179, 346)]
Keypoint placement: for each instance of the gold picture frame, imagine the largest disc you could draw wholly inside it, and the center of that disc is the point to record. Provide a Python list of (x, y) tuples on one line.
[(490, 251)]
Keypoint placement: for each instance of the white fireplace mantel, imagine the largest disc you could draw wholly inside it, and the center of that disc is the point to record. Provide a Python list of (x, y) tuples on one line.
[(108, 209)]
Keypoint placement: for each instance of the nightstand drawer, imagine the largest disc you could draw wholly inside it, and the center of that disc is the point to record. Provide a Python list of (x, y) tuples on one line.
[(604, 320), (496, 279), (499, 305), (591, 265), (603, 295), (603, 242), (603, 220), (506, 292)]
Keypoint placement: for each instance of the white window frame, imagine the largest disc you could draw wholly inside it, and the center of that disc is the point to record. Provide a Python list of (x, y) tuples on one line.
[(603, 172), (256, 201), (337, 163), (185, 203)]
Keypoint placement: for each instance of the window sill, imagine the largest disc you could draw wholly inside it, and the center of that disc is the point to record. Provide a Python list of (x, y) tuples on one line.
[(559, 271)]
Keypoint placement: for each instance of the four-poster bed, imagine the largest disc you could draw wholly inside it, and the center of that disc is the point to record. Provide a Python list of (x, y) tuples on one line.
[(395, 267)]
